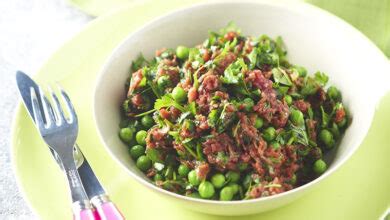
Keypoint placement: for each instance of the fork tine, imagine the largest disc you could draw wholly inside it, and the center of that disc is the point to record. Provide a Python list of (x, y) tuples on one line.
[(47, 109), (57, 107), (73, 116), (37, 112)]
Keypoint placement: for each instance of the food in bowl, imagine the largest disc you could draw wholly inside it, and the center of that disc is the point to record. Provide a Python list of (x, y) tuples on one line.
[(230, 119)]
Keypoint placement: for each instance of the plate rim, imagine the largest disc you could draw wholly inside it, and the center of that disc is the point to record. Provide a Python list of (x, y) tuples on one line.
[(18, 110)]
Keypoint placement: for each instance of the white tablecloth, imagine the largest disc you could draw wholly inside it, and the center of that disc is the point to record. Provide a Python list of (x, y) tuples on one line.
[(30, 31)]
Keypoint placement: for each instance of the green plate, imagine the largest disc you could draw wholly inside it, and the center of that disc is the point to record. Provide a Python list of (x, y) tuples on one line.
[(358, 190), (100, 7)]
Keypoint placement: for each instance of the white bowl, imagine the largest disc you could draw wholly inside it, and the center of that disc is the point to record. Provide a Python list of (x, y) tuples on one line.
[(314, 38)]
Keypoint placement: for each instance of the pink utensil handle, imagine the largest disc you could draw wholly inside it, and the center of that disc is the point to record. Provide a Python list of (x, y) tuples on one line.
[(85, 214), (96, 214), (108, 211)]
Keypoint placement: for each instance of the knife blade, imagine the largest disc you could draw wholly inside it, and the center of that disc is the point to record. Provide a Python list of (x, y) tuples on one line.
[(91, 184)]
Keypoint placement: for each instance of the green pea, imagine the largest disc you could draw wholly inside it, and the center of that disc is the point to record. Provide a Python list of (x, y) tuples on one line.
[(126, 134), (296, 117), (335, 130), (275, 145), (127, 106), (258, 123), (194, 195), (147, 121), (179, 94), (342, 123), (158, 177), (182, 52), (319, 167), (269, 134), (246, 182), (234, 187), (232, 176), (218, 180), (137, 151), (206, 190), (140, 137), (248, 103), (144, 163), (226, 194), (183, 170), (334, 93), (288, 99), (327, 138), (163, 82), (193, 178)]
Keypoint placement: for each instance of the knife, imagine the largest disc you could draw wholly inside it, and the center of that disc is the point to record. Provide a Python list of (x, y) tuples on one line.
[(94, 190)]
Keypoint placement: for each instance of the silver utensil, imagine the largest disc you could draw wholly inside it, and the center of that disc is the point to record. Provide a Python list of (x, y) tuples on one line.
[(60, 133), (91, 184), (105, 209)]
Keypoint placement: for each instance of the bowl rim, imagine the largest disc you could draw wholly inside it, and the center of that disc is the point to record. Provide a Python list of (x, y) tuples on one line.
[(292, 6)]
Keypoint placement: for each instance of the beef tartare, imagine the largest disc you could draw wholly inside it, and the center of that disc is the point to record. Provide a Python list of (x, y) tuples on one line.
[(230, 119)]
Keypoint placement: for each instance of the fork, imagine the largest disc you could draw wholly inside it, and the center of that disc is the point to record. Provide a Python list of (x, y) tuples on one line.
[(60, 133)]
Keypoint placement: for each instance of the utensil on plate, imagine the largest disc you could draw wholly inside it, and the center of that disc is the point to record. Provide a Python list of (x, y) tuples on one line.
[(105, 209), (60, 133)]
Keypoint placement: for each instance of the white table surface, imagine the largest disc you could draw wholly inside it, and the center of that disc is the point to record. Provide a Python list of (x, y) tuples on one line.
[(30, 31)]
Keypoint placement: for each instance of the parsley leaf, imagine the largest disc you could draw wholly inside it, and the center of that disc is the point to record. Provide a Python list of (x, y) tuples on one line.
[(325, 118), (212, 118), (192, 108), (223, 54), (211, 40), (149, 74), (280, 47), (299, 134), (222, 157), (182, 117), (138, 63), (195, 57), (196, 81), (154, 155), (167, 101), (321, 78), (225, 119), (233, 73), (271, 59), (252, 57), (280, 76), (310, 87)]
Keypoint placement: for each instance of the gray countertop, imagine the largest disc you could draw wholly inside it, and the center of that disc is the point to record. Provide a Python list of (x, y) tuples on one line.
[(30, 31)]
